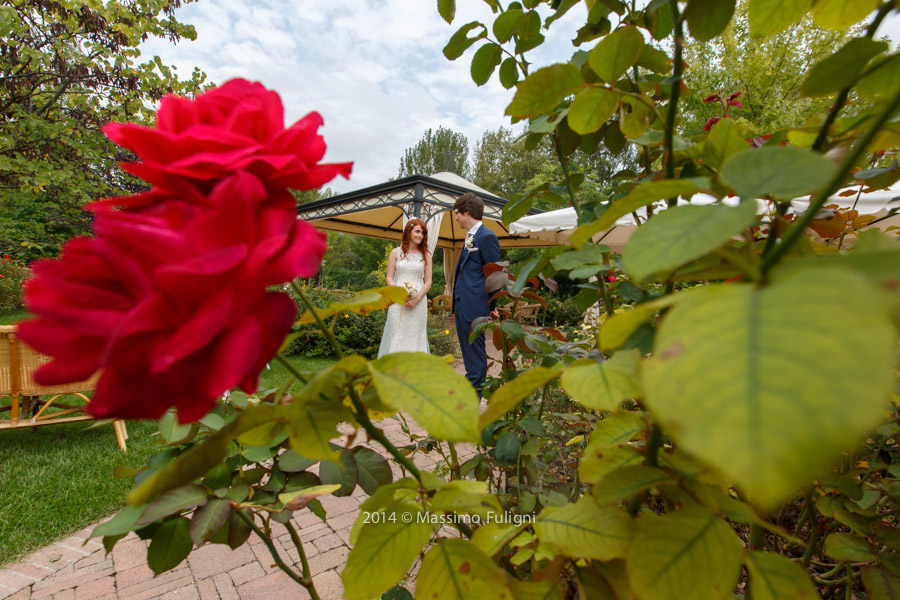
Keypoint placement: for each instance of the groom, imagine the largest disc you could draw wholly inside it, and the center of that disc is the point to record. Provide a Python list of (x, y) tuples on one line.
[(470, 299)]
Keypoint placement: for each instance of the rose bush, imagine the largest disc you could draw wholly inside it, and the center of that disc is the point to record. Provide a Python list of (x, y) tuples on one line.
[(169, 299)]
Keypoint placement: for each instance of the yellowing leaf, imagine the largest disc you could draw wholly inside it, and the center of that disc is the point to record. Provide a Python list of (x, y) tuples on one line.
[(544, 89), (775, 577), (592, 108), (616, 53), (457, 570), (737, 370), (840, 14), (603, 386), (437, 397), (771, 16), (689, 554), (384, 551), (508, 396), (362, 303), (585, 530)]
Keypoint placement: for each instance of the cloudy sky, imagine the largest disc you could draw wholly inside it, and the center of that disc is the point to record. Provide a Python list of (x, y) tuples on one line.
[(372, 68)]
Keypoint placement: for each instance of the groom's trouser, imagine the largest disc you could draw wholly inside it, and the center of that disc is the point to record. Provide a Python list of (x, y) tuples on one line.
[(474, 354)]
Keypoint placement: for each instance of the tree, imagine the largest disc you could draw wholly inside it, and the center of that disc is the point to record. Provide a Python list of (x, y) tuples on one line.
[(66, 68), (442, 150), (503, 166), (766, 71)]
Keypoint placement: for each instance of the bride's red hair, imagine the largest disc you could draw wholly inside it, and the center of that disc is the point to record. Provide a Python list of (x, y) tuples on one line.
[(406, 241)]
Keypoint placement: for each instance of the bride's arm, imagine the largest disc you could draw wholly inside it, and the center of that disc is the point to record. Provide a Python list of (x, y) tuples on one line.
[(392, 266), (427, 285)]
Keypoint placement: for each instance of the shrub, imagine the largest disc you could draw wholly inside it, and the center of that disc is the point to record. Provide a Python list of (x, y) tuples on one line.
[(12, 275)]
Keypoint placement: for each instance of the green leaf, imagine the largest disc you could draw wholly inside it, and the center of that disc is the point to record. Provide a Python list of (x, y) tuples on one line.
[(724, 141), (679, 235), (312, 424), (492, 537), (616, 53), (882, 80), (374, 469), (123, 522), (508, 396), (642, 195), (738, 398), (507, 24), (659, 20), (183, 498), (170, 545), (617, 428), (485, 61), (344, 473), (686, 554), (599, 462), (840, 14), (256, 453), (881, 584), (171, 430), (604, 386), (291, 462), (460, 41), (842, 68), (592, 108), (428, 389), (544, 89), (207, 521), (783, 171), (507, 450), (549, 589), (447, 9), (585, 530), (708, 18), (849, 547), (771, 16), (625, 482), (775, 577), (509, 73), (455, 569), (238, 530), (302, 498), (397, 593), (654, 59)]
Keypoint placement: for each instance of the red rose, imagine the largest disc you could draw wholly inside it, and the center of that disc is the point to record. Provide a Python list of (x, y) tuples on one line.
[(238, 126), (171, 302)]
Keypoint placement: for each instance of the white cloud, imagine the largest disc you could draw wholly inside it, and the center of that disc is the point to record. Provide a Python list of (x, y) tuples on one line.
[(373, 69)]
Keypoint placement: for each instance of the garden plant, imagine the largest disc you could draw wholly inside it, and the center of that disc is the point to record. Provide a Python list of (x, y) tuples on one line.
[(727, 426)]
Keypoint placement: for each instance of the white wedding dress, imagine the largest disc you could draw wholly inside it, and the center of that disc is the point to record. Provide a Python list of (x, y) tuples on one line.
[(405, 329)]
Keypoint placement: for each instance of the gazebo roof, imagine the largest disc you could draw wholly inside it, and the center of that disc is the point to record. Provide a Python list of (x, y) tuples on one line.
[(378, 211)]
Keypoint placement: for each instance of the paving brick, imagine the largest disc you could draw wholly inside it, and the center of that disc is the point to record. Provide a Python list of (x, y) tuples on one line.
[(133, 576), (24, 594), (188, 592), (274, 586), (92, 559), (327, 542), (337, 506), (225, 587), (329, 585), (207, 589), (328, 560), (161, 587), (212, 559), (342, 521), (265, 557), (250, 572), (65, 595), (31, 570), (129, 552), (15, 581), (96, 589)]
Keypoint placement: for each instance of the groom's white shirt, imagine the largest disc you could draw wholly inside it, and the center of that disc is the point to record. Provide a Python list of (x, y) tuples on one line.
[(473, 229)]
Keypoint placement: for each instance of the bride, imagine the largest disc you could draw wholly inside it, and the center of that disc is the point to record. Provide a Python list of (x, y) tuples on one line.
[(409, 266)]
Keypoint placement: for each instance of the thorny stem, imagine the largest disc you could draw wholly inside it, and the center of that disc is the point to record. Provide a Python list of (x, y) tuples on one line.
[(565, 167), (793, 234), (455, 466), (669, 134), (844, 93), (329, 335), (307, 583), (378, 435), (298, 543)]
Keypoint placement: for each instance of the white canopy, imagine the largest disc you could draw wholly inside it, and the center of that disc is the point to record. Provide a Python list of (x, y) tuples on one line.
[(556, 226)]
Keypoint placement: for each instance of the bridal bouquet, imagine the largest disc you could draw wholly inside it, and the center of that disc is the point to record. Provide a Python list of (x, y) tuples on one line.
[(411, 288)]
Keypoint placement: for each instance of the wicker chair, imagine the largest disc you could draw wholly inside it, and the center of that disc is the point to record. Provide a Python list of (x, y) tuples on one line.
[(526, 314), (18, 362), (442, 303)]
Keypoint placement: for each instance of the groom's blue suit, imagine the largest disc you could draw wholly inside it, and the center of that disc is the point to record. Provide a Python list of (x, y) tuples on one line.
[(470, 301)]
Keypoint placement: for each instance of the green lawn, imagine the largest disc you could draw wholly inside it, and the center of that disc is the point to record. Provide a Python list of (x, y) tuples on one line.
[(13, 317), (58, 479)]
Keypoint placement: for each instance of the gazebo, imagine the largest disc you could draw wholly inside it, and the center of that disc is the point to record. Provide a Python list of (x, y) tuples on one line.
[(383, 210)]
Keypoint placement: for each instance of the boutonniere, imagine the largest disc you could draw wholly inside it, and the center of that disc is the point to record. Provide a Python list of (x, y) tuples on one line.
[(470, 244)]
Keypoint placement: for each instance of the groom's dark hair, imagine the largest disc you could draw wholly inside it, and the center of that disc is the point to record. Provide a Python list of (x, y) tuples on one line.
[(470, 204)]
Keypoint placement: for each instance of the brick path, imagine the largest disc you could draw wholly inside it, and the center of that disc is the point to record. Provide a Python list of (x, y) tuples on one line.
[(77, 568)]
